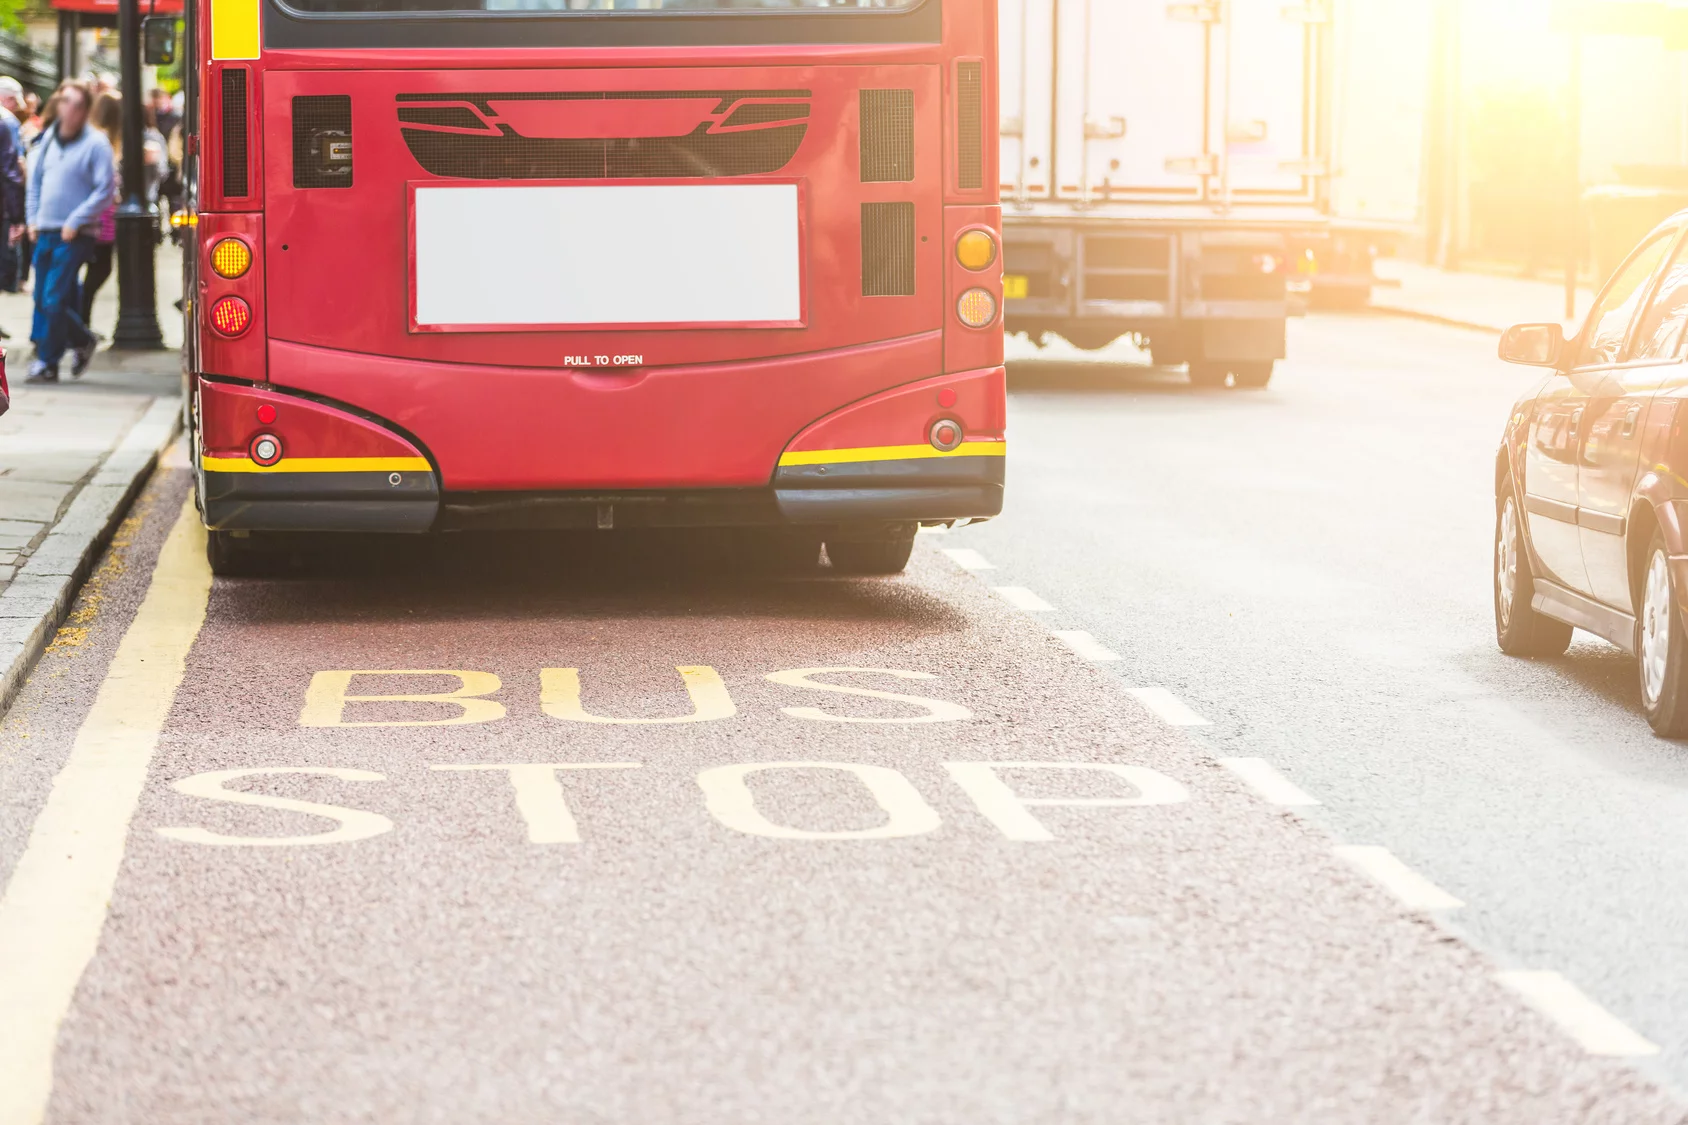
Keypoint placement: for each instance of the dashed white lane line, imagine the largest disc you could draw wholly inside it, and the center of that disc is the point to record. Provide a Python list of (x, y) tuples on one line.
[(1021, 598), (1169, 707), (1380, 865), (1270, 785), (1599, 1031), (969, 559), (1086, 645)]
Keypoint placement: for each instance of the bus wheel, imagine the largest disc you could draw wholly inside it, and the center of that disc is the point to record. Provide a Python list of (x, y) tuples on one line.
[(231, 557), (785, 552), (885, 551), (1253, 375)]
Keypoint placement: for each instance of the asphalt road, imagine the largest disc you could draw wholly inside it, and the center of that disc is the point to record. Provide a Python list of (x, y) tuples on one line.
[(245, 884)]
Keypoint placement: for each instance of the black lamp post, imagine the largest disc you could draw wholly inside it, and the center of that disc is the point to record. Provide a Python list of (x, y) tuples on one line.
[(137, 298)]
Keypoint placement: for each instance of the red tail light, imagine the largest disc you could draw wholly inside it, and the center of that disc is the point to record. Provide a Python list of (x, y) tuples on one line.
[(231, 316)]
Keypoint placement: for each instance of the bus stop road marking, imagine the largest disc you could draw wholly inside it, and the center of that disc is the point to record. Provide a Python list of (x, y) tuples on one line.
[(54, 906)]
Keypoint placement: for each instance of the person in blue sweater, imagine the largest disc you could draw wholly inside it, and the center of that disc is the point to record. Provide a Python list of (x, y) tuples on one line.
[(70, 184)]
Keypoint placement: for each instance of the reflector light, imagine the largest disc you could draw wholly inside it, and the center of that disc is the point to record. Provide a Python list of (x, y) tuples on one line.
[(266, 414), (976, 249), (977, 308), (231, 257), (945, 435), (266, 449), (231, 316)]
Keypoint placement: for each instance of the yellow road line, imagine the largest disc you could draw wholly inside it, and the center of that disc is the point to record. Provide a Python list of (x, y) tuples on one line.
[(891, 453), (318, 465), (55, 905)]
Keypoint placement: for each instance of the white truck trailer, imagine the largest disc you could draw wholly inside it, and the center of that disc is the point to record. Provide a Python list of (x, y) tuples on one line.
[(1168, 172)]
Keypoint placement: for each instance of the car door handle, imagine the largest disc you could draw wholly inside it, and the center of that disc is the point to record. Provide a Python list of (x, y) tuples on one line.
[(1630, 420)]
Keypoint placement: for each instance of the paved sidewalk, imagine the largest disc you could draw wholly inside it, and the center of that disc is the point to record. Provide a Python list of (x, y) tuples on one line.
[(72, 456), (1488, 302)]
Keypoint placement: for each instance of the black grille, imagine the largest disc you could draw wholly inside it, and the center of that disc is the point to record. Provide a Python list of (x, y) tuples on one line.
[(887, 249), (887, 135), (233, 109), (322, 141), (969, 126), (763, 137)]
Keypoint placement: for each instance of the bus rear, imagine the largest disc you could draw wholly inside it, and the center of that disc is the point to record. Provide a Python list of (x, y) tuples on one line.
[(547, 263)]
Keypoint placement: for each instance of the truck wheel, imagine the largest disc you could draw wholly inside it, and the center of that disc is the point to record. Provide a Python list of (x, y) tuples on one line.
[(1519, 629), (1207, 373), (1661, 647), (1166, 355), (1091, 339), (885, 551), (1253, 375)]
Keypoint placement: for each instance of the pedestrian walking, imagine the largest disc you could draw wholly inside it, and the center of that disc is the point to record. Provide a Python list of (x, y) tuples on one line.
[(70, 184), (40, 120), (107, 117), (12, 111)]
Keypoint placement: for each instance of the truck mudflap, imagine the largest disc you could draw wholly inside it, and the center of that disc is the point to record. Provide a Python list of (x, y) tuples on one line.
[(266, 461), (929, 451)]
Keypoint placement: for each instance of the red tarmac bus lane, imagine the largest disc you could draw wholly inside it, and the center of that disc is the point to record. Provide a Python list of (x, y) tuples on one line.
[(797, 903)]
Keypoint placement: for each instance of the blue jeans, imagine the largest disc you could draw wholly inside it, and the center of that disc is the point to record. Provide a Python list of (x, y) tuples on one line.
[(58, 295)]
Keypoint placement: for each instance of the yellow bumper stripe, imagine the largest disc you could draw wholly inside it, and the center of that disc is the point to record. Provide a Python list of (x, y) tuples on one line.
[(317, 465), (891, 453)]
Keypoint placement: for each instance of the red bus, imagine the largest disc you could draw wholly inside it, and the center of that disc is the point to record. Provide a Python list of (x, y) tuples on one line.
[(464, 264)]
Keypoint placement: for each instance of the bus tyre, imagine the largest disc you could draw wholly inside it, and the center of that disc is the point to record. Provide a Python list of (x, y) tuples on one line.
[(1207, 373), (232, 557), (884, 552), (785, 552), (1519, 629), (1253, 375), (223, 553), (1661, 647)]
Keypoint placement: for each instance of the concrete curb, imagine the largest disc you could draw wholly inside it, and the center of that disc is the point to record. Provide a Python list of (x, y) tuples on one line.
[(1451, 322), (32, 607)]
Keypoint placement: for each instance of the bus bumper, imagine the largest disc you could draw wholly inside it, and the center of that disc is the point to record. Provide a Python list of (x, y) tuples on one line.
[(327, 470), (928, 451)]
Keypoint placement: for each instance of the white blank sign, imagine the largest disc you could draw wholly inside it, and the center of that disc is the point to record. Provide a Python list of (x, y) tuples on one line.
[(653, 254)]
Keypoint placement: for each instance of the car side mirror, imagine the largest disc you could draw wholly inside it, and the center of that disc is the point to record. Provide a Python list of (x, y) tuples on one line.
[(1539, 345), (158, 39)]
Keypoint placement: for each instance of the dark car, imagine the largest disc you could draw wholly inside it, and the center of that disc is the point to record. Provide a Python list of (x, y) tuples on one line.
[(1591, 481)]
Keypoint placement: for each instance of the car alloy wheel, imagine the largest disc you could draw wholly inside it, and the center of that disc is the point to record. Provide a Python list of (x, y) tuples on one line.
[(1653, 648), (1519, 629), (1506, 562)]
